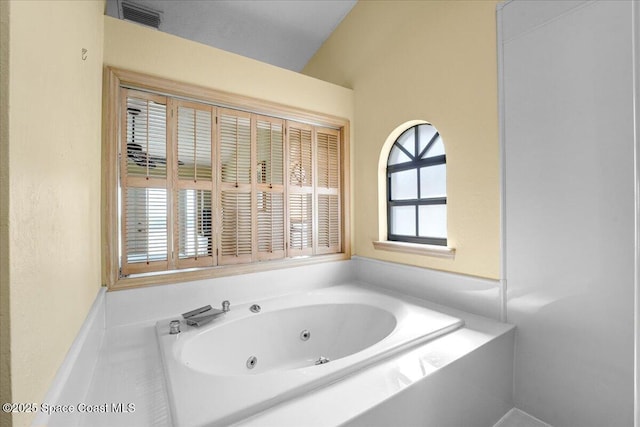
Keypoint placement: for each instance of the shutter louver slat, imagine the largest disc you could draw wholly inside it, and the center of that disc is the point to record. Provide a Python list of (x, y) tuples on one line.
[(328, 223), (270, 212), (301, 188), (300, 166), (328, 161), (270, 153), (194, 144), (235, 149), (324, 225), (301, 223), (328, 214), (146, 138), (277, 156), (235, 235), (334, 220), (146, 225), (264, 153), (323, 160), (194, 224), (270, 225), (334, 163), (194, 192)]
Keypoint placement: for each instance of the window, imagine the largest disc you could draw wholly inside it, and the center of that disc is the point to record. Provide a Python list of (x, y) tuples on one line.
[(203, 188), (417, 187)]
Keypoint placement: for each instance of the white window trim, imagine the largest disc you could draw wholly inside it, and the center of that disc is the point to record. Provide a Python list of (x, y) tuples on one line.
[(415, 248)]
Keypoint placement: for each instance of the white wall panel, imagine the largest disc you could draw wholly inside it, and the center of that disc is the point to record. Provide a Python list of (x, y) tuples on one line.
[(569, 181), (157, 302), (527, 15), (471, 294)]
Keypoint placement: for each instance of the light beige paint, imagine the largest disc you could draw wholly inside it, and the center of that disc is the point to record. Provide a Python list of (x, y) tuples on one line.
[(141, 49), (5, 330), (432, 61), (54, 112), (137, 48)]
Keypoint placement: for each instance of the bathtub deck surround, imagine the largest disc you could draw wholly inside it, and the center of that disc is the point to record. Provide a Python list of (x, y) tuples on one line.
[(416, 386), (247, 363), (518, 418)]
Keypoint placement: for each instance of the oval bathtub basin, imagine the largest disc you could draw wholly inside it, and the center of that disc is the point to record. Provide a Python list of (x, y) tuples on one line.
[(245, 362), (290, 338)]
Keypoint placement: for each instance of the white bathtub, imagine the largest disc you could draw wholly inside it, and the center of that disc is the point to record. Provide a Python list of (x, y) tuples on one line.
[(210, 381)]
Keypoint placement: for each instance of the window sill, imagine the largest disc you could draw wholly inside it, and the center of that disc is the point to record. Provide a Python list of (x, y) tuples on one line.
[(416, 248), (178, 276)]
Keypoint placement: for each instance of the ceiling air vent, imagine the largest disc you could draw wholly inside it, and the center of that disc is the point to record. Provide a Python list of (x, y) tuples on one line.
[(140, 14)]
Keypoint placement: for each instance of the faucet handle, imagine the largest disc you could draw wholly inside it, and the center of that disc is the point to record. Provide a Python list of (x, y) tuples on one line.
[(225, 306), (174, 327)]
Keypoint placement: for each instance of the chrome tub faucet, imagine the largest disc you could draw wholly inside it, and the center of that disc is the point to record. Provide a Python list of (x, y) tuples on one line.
[(202, 315)]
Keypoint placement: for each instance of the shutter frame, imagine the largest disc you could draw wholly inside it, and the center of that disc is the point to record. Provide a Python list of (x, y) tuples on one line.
[(134, 182), (300, 175), (233, 244), (328, 191), (194, 185), (269, 192), (117, 80)]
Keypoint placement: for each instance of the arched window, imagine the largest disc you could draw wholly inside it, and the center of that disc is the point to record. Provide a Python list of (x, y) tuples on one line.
[(417, 187)]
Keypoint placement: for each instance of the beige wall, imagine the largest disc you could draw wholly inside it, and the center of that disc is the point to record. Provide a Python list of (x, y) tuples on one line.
[(5, 331), (54, 113), (433, 61), (137, 48)]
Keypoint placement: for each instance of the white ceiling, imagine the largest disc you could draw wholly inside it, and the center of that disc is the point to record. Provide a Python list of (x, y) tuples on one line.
[(285, 33)]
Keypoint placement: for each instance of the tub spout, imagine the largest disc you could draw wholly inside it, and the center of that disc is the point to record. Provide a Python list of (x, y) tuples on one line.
[(203, 315)]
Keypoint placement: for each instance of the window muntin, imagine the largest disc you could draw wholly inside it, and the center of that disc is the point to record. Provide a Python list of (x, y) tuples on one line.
[(202, 186), (416, 187)]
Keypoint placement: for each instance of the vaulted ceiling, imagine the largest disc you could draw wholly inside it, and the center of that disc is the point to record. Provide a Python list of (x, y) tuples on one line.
[(285, 33)]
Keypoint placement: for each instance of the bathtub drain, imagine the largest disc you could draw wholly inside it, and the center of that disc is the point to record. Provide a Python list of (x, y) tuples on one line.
[(305, 335), (322, 360), (251, 362)]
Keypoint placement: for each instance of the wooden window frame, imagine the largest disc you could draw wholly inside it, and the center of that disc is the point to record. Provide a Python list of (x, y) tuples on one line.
[(114, 80)]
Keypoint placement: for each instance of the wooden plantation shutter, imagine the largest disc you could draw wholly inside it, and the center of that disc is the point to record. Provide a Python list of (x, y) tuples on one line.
[(145, 218), (269, 194), (300, 188), (328, 191), (194, 185), (235, 209)]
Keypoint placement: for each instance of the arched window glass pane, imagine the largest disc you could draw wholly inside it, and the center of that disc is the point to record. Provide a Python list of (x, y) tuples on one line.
[(417, 187), (425, 135), (397, 156), (432, 221), (436, 149), (404, 220), (408, 141), (433, 181), (404, 185)]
